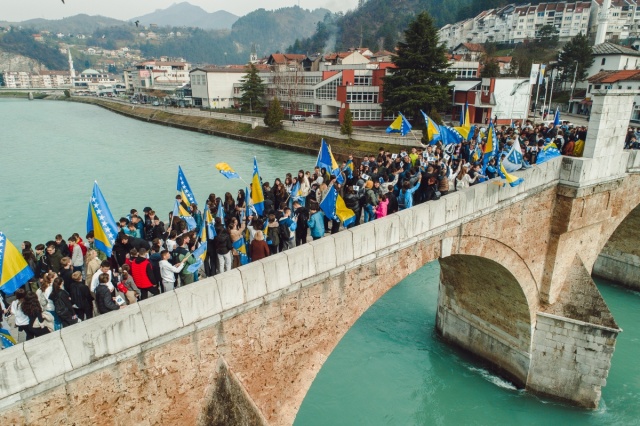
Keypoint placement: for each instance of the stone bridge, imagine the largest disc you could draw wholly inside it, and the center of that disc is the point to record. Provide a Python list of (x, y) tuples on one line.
[(244, 347)]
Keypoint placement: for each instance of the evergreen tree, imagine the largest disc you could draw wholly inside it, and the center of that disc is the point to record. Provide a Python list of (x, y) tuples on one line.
[(548, 36), (420, 80), (346, 128), (253, 89), (274, 116), (577, 52), (491, 69)]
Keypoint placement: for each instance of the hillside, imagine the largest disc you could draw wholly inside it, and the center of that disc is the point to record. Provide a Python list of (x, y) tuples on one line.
[(78, 24), (20, 42), (188, 15), (377, 24), (270, 31)]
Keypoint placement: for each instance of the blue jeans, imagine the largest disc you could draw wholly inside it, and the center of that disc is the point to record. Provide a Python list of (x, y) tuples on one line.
[(369, 215)]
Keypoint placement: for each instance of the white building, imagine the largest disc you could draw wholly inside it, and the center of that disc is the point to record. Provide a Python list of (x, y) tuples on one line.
[(166, 76), (612, 57), (215, 87), (517, 23), (89, 80), (621, 19)]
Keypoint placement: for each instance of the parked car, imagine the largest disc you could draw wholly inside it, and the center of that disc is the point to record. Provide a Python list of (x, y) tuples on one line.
[(297, 118)]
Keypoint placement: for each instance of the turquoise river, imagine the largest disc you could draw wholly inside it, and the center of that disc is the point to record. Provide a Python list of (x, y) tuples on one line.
[(389, 369)]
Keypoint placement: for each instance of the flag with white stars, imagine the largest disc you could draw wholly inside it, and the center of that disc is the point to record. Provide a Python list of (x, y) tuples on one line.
[(184, 190), (14, 270), (101, 222)]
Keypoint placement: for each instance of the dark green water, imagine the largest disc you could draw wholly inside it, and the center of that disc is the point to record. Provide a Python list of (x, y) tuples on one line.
[(391, 369)]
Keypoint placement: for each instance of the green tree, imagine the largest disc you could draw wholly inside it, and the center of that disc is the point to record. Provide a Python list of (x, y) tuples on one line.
[(577, 52), (548, 36), (274, 116), (346, 128), (420, 80), (491, 69), (253, 88)]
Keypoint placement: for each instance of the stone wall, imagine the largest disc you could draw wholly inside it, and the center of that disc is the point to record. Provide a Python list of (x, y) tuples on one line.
[(272, 322), (571, 356), (483, 309)]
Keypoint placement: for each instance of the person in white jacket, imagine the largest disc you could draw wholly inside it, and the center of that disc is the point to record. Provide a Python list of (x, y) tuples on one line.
[(168, 271)]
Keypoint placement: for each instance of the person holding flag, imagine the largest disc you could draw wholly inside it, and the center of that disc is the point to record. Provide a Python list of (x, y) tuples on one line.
[(100, 221), (334, 208), (257, 195), (184, 200), (14, 270)]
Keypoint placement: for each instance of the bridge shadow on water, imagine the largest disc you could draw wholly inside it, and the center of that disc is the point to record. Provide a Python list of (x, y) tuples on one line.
[(392, 368)]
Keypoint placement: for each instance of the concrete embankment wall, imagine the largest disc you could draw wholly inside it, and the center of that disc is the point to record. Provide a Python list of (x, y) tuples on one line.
[(271, 324)]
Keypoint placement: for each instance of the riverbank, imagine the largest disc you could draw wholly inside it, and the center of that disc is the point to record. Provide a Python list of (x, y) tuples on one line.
[(307, 143), (22, 95)]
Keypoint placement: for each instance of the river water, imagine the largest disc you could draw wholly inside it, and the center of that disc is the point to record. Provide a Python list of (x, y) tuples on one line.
[(389, 369), (51, 152), (392, 369)]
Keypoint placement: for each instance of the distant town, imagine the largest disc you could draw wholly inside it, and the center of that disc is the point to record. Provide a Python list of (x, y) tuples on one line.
[(323, 85)]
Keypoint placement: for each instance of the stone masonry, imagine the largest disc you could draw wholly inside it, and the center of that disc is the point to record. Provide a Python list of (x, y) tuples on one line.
[(245, 346)]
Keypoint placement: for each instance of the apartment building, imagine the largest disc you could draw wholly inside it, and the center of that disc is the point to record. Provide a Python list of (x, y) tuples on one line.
[(166, 76), (39, 80), (620, 19), (519, 23)]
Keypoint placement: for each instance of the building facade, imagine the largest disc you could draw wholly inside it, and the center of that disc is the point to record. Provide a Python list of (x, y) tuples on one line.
[(519, 23), (165, 76)]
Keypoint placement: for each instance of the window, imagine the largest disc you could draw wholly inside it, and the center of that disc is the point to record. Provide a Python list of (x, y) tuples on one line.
[(362, 97), (329, 90), (541, 14), (603, 61), (366, 114), (362, 81)]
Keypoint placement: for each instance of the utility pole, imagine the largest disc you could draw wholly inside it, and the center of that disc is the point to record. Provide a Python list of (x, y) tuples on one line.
[(551, 91)]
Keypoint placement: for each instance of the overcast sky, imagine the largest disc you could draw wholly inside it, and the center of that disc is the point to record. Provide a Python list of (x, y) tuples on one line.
[(20, 10)]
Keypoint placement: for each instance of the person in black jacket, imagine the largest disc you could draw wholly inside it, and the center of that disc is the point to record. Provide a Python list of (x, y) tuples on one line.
[(81, 297), (63, 304), (352, 202), (104, 300), (223, 249), (393, 201)]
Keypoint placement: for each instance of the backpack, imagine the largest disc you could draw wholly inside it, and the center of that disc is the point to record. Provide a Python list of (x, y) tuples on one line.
[(273, 235), (285, 232)]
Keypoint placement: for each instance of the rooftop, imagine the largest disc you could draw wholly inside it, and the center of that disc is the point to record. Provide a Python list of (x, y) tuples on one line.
[(613, 49)]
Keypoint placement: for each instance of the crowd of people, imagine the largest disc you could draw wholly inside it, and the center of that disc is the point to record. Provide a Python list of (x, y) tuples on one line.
[(74, 280)]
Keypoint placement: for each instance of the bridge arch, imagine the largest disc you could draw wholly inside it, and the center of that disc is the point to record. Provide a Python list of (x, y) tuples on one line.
[(484, 308)]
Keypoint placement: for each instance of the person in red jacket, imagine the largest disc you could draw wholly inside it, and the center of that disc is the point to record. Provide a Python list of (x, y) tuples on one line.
[(143, 276), (258, 248)]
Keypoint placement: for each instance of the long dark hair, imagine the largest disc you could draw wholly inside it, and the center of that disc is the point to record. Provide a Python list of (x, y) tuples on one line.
[(31, 305)]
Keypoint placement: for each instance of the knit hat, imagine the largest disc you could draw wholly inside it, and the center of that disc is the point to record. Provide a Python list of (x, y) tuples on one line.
[(369, 184)]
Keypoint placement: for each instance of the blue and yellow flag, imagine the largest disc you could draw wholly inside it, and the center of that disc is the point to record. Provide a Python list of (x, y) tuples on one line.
[(511, 179), (14, 270), (465, 124), (227, 171), (6, 339), (181, 212), (327, 161), (201, 254), (556, 117), (257, 196), (433, 130), (209, 224), (184, 190), (490, 147), (549, 151), (399, 125), (334, 208), (241, 248), (101, 222), (220, 212)]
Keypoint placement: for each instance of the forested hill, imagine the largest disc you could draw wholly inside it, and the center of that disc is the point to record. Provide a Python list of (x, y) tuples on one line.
[(268, 30), (377, 24)]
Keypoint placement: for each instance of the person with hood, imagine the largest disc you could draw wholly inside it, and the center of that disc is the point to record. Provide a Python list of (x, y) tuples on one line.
[(352, 202), (381, 208), (370, 202), (143, 276)]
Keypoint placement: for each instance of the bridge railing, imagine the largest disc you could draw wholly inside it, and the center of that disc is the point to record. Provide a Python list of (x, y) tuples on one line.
[(29, 368)]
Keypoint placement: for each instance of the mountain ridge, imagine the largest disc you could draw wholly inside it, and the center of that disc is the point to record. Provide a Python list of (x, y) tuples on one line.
[(185, 14)]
